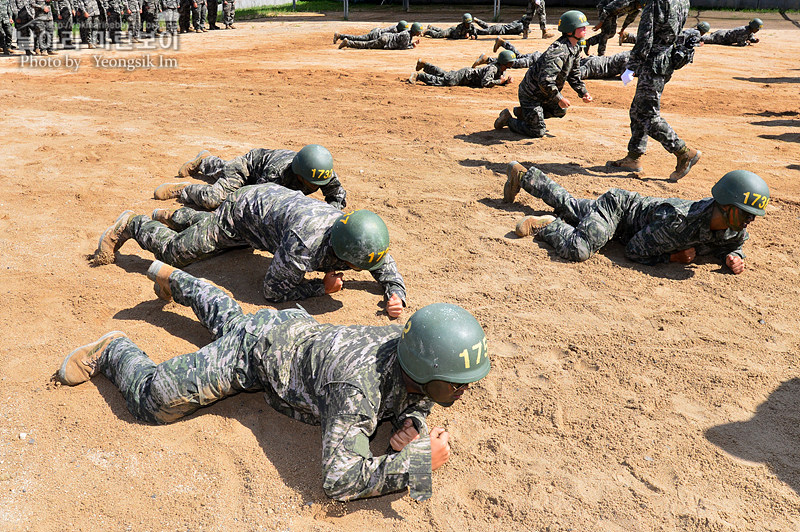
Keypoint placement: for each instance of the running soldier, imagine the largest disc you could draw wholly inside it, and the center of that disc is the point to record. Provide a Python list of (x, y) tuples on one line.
[(373, 34), (303, 234), (540, 90), (63, 12), (484, 77), (741, 36), (308, 170), (87, 12), (653, 230), (608, 11), (652, 60), (514, 28), (536, 8), (347, 379), (228, 13), (403, 40), (6, 25), (465, 30)]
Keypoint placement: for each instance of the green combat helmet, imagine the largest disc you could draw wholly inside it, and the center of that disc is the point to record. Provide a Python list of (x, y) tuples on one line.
[(703, 27), (402, 26), (314, 164), (755, 24), (466, 18), (506, 57), (416, 28), (743, 189), (571, 21), (360, 238), (443, 342)]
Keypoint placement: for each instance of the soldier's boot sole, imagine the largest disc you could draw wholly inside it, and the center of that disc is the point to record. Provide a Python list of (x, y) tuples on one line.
[(502, 120), (481, 60), (159, 273), (685, 163), (168, 191), (189, 167), (531, 225), (514, 173), (164, 216), (344, 43), (112, 239), (420, 65), (335, 37), (81, 364), (626, 163), (547, 35), (498, 42)]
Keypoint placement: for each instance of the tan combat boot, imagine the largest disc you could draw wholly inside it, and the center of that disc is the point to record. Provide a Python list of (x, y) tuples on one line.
[(335, 37), (481, 60), (344, 43), (626, 163), (159, 273), (112, 239), (687, 157), (498, 43), (81, 364), (531, 225), (502, 121), (420, 65), (514, 171), (190, 167), (164, 216), (547, 35), (169, 191)]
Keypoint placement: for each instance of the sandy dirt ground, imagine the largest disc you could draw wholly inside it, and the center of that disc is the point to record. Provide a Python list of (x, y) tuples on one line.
[(623, 397)]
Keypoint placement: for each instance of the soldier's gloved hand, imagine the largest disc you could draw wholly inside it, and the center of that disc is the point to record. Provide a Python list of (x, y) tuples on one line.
[(404, 436), (735, 263), (685, 256), (587, 97), (563, 103), (440, 447), (394, 306), (332, 282)]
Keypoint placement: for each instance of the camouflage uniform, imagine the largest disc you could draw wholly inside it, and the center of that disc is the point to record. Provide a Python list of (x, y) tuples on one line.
[(520, 61), (741, 36), (604, 67), (608, 13), (651, 229), (228, 12), (295, 229), (387, 41), (23, 22), (373, 34), (134, 17), (540, 89), (42, 25), (484, 77), (199, 14), (257, 166), (184, 15), (651, 61), (114, 19), (344, 378), (465, 30), (6, 26), (212, 7), (150, 11), (536, 8), (62, 15), (514, 28), (87, 14), (169, 13)]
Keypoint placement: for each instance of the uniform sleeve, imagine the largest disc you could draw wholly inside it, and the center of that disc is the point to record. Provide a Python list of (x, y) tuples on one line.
[(349, 469), (285, 277), (479, 22), (491, 76), (644, 37), (418, 412), (552, 63), (390, 279), (655, 242), (574, 78), (732, 246), (334, 193)]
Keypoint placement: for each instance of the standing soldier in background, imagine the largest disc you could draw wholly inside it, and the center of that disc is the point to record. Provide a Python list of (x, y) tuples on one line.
[(199, 15), (651, 61), (114, 20), (6, 25), (43, 27), (150, 10), (23, 20), (540, 90), (87, 12), (464, 30), (374, 33), (63, 12), (212, 7), (133, 12), (184, 15), (228, 13), (741, 36), (536, 8), (608, 12), (169, 10)]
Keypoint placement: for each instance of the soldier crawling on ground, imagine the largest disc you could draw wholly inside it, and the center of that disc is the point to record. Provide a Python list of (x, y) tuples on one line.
[(373, 34), (464, 30), (741, 36), (388, 41), (484, 77)]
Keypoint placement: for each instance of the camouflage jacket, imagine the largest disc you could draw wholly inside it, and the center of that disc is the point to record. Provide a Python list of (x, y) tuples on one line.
[(604, 66), (39, 7), (296, 230), (22, 10), (741, 36), (89, 7), (463, 30), (347, 379), (275, 166), (658, 227), (616, 8), (545, 78), (486, 76), (396, 41), (659, 27), (7, 9)]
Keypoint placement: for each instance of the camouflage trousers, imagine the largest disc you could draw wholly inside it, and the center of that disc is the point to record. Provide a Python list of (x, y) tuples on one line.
[(514, 28), (521, 61), (646, 117), (438, 33), (583, 226), (170, 16), (89, 28), (199, 14), (228, 12), (381, 43), (64, 25), (537, 12), (202, 235), (607, 30), (433, 75), (212, 7), (134, 21), (114, 22), (6, 33), (228, 176), (371, 36), (232, 363), (149, 17), (605, 67), (531, 115)]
